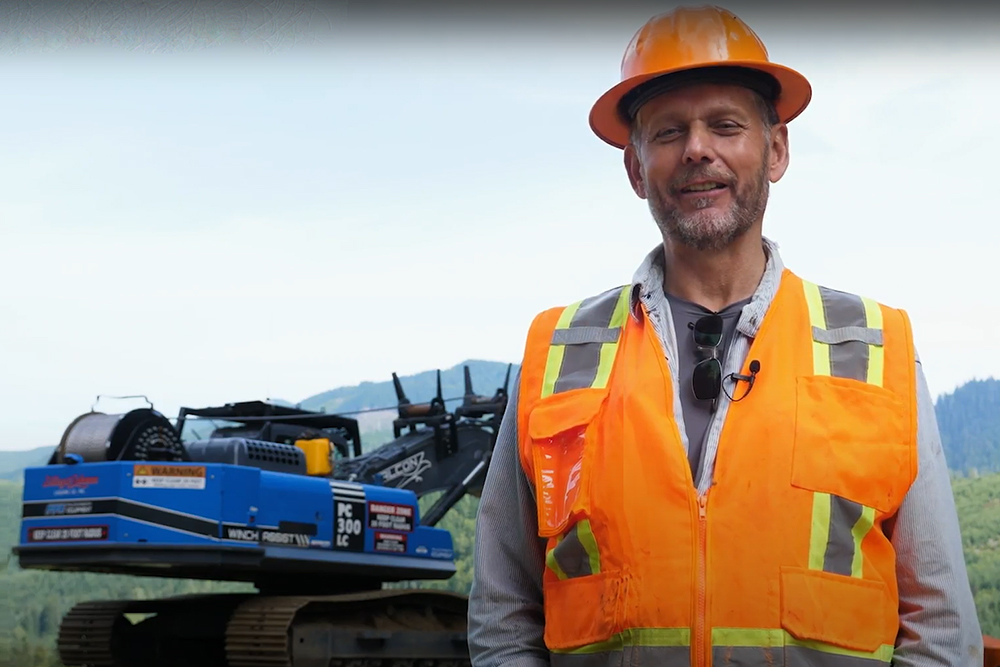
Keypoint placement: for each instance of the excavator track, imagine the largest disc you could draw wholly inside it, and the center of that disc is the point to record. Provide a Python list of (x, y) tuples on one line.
[(259, 632), (383, 628), (394, 628), (87, 632)]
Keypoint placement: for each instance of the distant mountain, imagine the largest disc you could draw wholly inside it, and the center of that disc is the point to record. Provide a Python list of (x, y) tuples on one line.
[(487, 376), (13, 463), (969, 420)]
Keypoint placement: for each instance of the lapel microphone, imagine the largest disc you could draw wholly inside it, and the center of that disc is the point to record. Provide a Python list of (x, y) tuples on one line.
[(737, 377)]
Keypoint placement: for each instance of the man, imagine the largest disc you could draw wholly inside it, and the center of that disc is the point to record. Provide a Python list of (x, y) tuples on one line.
[(720, 463)]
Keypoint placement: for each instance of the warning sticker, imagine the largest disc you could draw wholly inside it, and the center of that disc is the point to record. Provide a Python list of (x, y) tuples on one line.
[(153, 476), (67, 533), (394, 542), (390, 516)]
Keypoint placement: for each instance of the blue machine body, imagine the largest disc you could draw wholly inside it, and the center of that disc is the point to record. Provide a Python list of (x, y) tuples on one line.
[(253, 516)]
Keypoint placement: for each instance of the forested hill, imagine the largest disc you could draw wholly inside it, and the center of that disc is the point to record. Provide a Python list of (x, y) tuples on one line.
[(969, 420)]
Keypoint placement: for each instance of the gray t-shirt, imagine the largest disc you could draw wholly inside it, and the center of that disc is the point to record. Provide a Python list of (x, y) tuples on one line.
[(698, 412)]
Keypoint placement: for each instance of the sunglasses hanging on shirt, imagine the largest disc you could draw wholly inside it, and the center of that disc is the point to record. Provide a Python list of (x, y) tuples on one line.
[(706, 379)]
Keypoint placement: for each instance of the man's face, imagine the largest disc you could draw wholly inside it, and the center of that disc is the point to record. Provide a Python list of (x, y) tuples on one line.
[(704, 160)]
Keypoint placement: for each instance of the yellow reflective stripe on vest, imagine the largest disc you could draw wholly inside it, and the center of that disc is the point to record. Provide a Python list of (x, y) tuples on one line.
[(585, 342), (741, 646), (751, 646), (847, 343), (553, 564), (635, 637), (575, 554), (876, 358)]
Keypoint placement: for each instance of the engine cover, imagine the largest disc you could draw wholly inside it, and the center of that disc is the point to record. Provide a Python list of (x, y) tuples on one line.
[(224, 522)]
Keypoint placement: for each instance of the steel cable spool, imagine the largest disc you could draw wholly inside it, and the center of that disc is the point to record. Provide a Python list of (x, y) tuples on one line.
[(139, 435)]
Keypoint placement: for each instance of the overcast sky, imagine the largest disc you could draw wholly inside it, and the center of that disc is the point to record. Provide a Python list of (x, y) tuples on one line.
[(233, 202)]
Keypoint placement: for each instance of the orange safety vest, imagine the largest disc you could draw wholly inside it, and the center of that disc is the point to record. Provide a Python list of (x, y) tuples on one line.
[(784, 561)]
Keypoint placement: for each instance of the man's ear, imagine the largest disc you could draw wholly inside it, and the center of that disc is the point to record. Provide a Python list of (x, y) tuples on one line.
[(779, 152), (634, 169)]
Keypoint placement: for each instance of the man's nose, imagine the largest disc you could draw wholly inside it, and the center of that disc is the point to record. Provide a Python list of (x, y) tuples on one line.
[(698, 146)]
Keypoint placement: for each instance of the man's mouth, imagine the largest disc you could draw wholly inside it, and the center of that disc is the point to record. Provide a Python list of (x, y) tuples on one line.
[(705, 186)]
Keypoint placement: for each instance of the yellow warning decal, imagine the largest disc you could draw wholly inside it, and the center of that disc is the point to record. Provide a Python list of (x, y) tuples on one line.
[(156, 476)]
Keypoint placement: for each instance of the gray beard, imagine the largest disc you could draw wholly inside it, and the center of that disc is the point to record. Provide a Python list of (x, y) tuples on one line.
[(712, 230)]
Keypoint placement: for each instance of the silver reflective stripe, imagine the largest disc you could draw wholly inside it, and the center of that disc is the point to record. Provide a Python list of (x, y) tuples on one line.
[(844, 514), (654, 656), (630, 656), (788, 656), (583, 339), (571, 556), (865, 335), (748, 656), (800, 656), (582, 335), (596, 311), (848, 358), (579, 367), (603, 659)]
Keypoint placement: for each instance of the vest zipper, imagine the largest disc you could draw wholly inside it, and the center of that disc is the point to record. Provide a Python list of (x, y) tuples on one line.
[(702, 642)]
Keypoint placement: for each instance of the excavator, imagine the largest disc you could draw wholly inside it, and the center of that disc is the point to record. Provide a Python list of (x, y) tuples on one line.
[(279, 497)]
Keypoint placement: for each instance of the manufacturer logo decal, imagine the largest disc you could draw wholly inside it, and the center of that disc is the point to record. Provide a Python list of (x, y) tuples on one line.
[(59, 509), (67, 486), (408, 470)]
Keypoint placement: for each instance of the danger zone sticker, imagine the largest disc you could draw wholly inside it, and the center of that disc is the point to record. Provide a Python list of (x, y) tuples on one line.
[(67, 533), (390, 516), (150, 476), (392, 542)]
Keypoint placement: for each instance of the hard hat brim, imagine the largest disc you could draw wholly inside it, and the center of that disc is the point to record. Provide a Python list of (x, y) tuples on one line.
[(607, 123)]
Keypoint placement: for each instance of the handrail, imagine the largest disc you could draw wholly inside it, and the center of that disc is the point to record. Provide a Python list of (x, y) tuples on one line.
[(991, 651)]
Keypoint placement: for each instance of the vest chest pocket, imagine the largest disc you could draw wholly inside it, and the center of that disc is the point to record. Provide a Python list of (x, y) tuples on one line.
[(561, 446), (852, 440)]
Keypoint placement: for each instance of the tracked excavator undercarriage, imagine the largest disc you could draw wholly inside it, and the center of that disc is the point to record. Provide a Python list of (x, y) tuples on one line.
[(383, 628)]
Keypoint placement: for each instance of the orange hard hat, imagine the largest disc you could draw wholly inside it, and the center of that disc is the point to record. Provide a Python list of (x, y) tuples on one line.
[(693, 38)]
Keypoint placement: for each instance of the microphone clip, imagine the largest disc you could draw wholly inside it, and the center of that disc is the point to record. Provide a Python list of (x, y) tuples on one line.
[(749, 379)]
